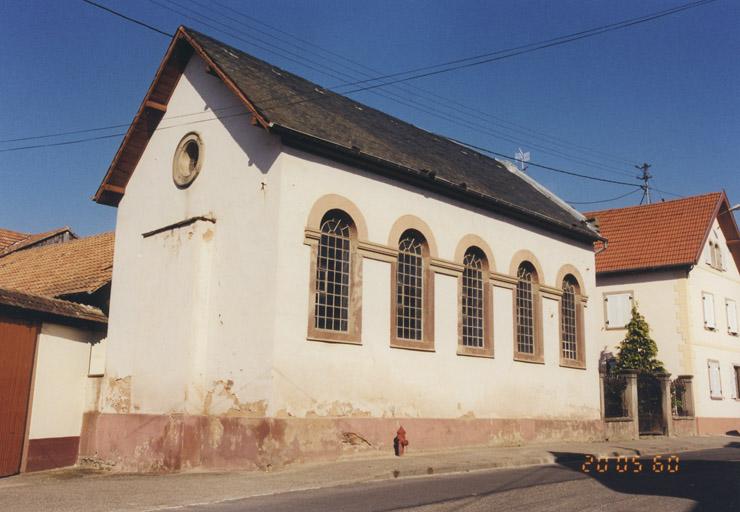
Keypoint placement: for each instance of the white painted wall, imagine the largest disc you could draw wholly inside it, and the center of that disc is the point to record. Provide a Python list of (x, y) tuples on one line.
[(659, 297), (212, 318), (192, 307), (671, 302), (715, 344), (61, 383), (322, 378)]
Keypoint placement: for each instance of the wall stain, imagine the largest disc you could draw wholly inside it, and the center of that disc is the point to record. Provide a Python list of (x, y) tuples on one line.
[(118, 394)]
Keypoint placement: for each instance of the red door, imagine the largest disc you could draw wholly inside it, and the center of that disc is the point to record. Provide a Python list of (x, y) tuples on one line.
[(17, 352)]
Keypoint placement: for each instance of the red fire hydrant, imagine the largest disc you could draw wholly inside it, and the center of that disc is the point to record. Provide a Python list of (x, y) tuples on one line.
[(400, 442)]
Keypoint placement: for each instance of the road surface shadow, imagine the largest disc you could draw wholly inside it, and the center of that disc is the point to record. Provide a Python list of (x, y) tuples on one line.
[(711, 478)]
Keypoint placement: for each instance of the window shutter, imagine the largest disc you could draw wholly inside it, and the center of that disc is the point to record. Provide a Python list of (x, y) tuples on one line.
[(708, 254), (715, 383), (720, 263), (708, 301), (731, 316), (618, 310)]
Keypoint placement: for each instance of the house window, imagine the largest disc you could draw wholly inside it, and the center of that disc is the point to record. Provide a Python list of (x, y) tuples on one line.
[(715, 381), (333, 274), (188, 160), (412, 289), (715, 257), (335, 284), (708, 307), (731, 308), (410, 286), (528, 338), (472, 300), (618, 309), (571, 324), (475, 309), (736, 370)]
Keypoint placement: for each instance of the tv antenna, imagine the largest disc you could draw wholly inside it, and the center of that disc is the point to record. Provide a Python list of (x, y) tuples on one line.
[(522, 157), (645, 177)]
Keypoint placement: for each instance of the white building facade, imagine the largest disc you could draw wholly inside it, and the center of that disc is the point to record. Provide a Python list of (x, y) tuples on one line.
[(281, 300), (686, 284)]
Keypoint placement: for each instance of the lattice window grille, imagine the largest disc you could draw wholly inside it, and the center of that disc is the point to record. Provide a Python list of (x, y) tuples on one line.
[(524, 312), (472, 301), (333, 276), (568, 321), (410, 289)]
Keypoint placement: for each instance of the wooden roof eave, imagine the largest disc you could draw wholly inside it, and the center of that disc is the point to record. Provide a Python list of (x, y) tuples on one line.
[(152, 110)]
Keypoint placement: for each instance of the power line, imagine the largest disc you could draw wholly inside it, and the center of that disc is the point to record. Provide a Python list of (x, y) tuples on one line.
[(622, 196), (506, 123), (570, 173), (127, 18), (541, 166), (410, 103)]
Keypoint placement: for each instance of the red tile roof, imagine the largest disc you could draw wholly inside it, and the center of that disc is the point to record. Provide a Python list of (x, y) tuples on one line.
[(29, 240), (52, 307), (659, 235), (8, 238), (55, 270)]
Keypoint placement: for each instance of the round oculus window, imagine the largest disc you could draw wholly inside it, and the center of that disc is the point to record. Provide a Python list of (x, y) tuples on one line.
[(188, 160)]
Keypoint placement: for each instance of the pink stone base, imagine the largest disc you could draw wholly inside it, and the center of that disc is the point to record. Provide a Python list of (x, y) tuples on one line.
[(145, 443), (708, 426)]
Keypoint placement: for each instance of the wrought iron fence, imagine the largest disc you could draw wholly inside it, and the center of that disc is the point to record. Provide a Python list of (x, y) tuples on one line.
[(615, 402)]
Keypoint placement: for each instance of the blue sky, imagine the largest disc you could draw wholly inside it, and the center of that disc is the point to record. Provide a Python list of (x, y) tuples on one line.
[(664, 92)]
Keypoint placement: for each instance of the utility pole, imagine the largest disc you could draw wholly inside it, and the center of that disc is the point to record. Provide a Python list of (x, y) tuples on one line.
[(646, 176)]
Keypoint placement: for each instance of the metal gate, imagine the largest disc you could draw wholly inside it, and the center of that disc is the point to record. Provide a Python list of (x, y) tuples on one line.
[(650, 404), (17, 353)]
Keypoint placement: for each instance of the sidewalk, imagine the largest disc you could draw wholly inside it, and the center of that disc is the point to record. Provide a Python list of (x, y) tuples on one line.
[(77, 489)]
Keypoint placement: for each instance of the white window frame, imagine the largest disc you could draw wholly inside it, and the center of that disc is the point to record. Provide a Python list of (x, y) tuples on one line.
[(710, 317), (732, 320), (712, 394), (608, 324)]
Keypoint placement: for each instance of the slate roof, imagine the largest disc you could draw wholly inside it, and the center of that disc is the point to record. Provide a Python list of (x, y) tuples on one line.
[(659, 235), (288, 104), (56, 270), (48, 306)]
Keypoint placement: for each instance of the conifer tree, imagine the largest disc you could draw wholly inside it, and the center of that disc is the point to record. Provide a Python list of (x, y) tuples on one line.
[(638, 351)]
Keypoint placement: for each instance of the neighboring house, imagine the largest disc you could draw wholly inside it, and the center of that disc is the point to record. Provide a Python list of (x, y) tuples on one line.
[(297, 275), (12, 241), (678, 261), (53, 300)]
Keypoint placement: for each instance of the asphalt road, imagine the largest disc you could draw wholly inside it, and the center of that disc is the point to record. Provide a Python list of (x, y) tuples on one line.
[(702, 480)]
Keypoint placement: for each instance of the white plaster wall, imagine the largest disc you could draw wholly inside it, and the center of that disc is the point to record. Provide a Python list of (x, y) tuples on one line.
[(659, 299), (335, 379), (717, 344), (61, 381), (191, 308), (212, 318)]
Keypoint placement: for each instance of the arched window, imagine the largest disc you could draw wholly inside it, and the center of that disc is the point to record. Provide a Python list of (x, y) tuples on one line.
[(572, 342), (527, 309), (335, 312), (333, 278), (472, 299), (410, 286), (569, 319), (413, 295), (475, 336)]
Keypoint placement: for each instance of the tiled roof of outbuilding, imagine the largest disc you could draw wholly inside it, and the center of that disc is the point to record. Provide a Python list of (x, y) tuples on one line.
[(658, 235), (53, 307), (55, 270), (29, 240), (8, 238), (300, 110)]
